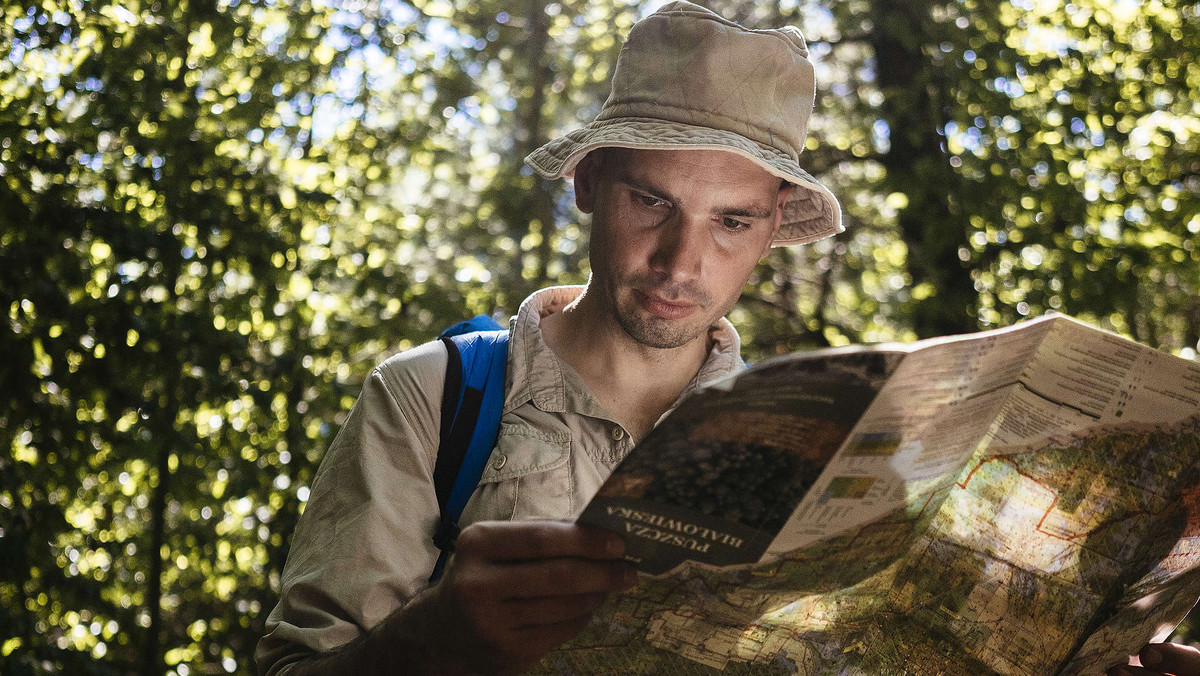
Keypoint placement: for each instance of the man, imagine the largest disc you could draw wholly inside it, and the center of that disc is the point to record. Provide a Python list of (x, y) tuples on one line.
[(690, 174)]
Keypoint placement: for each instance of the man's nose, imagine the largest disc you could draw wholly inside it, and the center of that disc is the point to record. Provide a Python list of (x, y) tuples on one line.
[(679, 251)]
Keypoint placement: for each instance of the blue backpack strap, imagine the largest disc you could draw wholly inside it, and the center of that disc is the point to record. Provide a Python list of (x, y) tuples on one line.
[(472, 325), (472, 403)]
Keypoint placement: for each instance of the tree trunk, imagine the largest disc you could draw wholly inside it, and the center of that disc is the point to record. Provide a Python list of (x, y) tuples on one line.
[(176, 183), (825, 296), (787, 302), (288, 514), (539, 205), (917, 168), (165, 437)]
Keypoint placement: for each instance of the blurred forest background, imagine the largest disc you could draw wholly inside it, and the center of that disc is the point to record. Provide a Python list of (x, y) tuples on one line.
[(218, 215)]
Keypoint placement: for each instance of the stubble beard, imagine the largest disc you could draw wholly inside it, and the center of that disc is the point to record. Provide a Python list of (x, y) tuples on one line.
[(658, 332), (655, 332)]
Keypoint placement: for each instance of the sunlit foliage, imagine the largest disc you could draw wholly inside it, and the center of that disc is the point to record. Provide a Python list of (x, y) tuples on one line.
[(218, 215)]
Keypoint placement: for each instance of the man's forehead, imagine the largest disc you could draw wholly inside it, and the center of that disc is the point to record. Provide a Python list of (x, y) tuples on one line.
[(705, 163)]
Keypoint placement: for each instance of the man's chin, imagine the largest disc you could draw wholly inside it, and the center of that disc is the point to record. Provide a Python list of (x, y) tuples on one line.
[(659, 333)]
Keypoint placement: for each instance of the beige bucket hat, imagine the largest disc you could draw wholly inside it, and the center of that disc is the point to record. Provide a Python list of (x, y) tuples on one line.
[(689, 78)]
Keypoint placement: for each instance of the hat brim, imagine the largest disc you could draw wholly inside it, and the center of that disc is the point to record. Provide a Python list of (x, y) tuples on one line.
[(810, 213)]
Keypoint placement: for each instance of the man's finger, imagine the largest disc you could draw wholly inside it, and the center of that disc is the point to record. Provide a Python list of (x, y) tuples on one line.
[(1171, 658), (547, 610), (532, 540), (566, 577), (552, 635)]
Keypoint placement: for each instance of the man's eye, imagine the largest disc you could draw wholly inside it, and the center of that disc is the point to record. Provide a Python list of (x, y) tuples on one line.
[(649, 200), (735, 224)]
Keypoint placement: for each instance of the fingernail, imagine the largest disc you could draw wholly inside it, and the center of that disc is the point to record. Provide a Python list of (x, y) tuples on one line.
[(631, 577), (1150, 656), (616, 547)]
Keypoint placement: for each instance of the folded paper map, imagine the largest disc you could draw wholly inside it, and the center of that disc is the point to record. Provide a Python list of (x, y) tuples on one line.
[(1019, 501)]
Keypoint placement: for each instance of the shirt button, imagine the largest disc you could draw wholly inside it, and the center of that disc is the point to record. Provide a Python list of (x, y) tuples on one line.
[(498, 463), (617, 433)]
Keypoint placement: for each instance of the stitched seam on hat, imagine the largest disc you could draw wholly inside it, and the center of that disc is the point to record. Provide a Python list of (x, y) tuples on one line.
[(746, 123), (565, 148)]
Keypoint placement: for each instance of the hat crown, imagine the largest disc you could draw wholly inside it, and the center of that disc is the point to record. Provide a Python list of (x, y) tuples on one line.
[(689, 78), (689, 65)]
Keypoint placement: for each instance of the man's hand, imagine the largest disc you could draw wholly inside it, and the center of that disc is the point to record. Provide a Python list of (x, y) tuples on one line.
[(1163, 658), (514, 590)]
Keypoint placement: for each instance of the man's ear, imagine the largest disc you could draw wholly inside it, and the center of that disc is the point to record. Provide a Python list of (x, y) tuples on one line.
[(585, 182), (781, 199)]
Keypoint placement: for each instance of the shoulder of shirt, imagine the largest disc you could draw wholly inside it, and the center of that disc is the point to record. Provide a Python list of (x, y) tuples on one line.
[(414, 380), (422, 361)]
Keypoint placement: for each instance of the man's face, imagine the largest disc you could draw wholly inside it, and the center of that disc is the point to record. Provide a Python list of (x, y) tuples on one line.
[(675, 236)]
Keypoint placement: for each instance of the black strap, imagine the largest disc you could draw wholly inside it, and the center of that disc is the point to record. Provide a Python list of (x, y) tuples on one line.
[(445, 470), (454, 449), (451, 389), (460, 415), (444, 538)]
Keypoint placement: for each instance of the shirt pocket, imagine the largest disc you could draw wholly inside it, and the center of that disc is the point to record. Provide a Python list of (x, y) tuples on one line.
[(528, 475)]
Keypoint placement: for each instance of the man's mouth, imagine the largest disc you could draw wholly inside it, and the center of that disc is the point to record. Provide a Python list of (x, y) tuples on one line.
[(661, 307)]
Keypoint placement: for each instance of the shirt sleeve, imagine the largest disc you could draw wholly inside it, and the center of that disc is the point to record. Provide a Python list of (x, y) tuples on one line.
[(363, 546)]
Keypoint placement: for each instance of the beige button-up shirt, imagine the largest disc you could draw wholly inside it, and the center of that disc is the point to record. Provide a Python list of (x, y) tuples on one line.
[(364, 544)]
